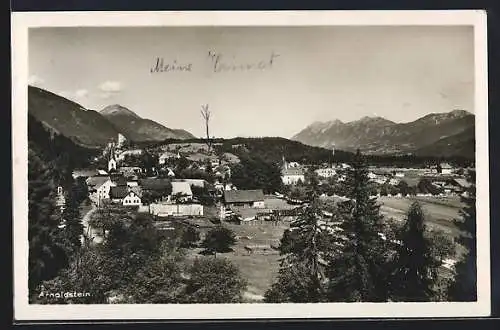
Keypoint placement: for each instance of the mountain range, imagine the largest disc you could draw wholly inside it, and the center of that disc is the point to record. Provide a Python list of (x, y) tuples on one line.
[(436, 134), (92, 128)]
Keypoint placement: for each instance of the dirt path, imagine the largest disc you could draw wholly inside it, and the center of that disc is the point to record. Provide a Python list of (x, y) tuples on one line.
[(88, 231)]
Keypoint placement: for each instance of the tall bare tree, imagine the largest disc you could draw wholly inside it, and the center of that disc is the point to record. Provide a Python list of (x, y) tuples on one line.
[(205, 112)]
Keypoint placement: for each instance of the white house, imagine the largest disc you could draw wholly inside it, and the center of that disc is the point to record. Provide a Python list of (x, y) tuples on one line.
[(446, 169), (131, 152), (293, 164), (399, 175), (327, 172), (121, 140), (102, 172), (131, 184), (183, 189), (394, 182), (132, 199), (165, 156), (99, 187)]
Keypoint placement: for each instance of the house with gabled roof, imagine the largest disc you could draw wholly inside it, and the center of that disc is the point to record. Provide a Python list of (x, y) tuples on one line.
[(180, 188), (125, 196), (244, 198), (99, 187)]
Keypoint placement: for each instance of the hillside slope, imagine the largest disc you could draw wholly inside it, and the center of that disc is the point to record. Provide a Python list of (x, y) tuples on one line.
[(462, 144), (139, 129), (85, 127)]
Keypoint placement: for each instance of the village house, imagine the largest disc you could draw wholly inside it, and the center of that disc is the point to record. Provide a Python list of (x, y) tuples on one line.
[(160, 186), (102, 172), (132, 184), (244, 198), (125, 196), (126, 153), (292, 174), (445, 169), (118, 193), (130, 171), (118, 179), (183, 190), (399, 174), (200, 183), (132, 199), (166, 156), (99, 187), (164, 209), (121, 140), (394, 181), (326, 172), (170, 173), (462, 185)]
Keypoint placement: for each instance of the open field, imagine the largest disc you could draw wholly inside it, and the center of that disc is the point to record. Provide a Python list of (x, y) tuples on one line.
[(258, 269), (261, 269), (439, 211)]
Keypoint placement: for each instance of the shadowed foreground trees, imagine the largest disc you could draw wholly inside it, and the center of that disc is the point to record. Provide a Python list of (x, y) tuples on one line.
[(218, 240), (415, 267), (214, 281), (359, 273), (357, 255), (136, 263), (464, 288)]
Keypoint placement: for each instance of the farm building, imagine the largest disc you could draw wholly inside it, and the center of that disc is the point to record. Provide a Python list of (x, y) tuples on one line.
[(168, 209), (244, 198), (182, 189)]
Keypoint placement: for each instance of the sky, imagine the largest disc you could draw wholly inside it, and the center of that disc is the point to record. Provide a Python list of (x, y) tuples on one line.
[(284, 78)]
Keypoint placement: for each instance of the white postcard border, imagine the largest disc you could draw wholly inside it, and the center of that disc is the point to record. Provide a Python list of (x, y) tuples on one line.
[(24, 311)]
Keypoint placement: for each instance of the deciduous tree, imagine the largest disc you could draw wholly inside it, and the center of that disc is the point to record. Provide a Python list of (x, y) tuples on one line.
[(214, 281), (219, 240)]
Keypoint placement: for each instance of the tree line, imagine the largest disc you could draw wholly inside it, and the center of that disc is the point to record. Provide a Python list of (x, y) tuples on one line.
[(54, 233)]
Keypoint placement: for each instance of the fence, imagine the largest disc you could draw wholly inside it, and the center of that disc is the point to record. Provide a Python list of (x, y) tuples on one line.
[(176, 209)]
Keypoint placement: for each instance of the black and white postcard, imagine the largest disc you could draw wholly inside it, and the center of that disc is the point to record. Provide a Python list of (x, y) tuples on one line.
[(250, 165)]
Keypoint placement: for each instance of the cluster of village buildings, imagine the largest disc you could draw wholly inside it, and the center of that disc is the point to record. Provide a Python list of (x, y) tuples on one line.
[(127, 185)]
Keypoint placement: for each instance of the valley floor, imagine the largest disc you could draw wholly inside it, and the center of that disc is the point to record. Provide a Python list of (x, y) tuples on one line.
[(260, 268)]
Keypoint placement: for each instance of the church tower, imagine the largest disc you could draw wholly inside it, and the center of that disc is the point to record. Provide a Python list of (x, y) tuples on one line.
[(112, 160)]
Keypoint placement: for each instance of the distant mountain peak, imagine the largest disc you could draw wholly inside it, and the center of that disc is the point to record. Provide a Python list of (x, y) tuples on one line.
[(460, 113), (373, 120), (377, 135), (116, 109)]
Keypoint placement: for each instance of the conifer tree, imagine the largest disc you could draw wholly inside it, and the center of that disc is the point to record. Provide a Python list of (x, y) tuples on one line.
[(464, 287), (305, 247), (71, 216), (46, 254), (359, 273), (416, 269)]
